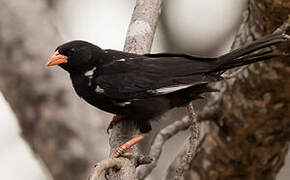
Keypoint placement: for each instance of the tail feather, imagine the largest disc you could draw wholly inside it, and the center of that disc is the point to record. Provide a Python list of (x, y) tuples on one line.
[(251, 61), (243, 56)]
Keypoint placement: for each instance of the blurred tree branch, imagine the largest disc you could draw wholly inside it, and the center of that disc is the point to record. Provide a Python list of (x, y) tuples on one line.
[(59, 129)]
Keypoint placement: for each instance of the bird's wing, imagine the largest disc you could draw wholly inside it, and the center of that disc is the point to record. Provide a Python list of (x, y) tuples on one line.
[(145, 76)]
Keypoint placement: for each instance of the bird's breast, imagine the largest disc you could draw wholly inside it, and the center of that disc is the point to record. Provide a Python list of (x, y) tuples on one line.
[(94, 95)]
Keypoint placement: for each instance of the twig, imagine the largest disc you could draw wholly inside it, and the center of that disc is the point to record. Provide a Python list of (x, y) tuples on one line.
[(283, 27), (193, 145), (156, 149)]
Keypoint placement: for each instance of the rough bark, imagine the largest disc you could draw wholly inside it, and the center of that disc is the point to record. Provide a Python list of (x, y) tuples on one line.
[(61, 129), (250, 134), (193, 143)]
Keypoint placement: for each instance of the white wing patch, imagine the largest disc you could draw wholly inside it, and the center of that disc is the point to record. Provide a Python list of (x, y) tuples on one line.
[(167, 90), (122, 104), (90, 73), (121, 60), (99, 89)]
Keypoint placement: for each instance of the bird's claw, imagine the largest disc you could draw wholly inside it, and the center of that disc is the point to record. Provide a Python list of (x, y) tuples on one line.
[(122, 150), (126, 154)]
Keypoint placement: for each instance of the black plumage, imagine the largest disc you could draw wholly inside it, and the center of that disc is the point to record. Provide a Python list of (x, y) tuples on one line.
[(143, 87)]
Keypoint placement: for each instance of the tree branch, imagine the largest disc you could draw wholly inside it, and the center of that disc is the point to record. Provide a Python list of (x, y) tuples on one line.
[(193, 143), (142, 26), (156, 149), (139, 40)]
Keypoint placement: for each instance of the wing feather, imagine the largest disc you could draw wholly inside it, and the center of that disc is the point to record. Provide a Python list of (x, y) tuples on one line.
[(143, 77)]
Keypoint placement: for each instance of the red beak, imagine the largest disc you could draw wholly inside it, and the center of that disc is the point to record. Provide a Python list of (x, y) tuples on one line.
[(56, 59)]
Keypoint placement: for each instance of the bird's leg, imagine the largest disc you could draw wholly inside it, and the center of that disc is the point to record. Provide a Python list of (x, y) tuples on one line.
[(114, 121), (121, 149)]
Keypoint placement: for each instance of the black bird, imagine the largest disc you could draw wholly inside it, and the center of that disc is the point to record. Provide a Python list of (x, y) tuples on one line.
[(143, 87)]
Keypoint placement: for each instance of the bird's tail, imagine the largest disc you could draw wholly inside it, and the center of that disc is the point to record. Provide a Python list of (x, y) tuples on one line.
[(246, 54)]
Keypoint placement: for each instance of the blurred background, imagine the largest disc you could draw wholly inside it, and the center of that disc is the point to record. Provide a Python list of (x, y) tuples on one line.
[(200, 27)]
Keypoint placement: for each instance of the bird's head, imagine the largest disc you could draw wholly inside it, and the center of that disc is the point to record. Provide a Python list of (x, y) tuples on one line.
[(74, 56)]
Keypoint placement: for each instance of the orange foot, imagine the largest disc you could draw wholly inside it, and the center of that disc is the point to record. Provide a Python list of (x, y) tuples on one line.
[(121, 150), (114, 121)]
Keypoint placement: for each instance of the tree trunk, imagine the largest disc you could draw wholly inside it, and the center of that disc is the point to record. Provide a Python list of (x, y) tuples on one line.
[(249, 140)]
